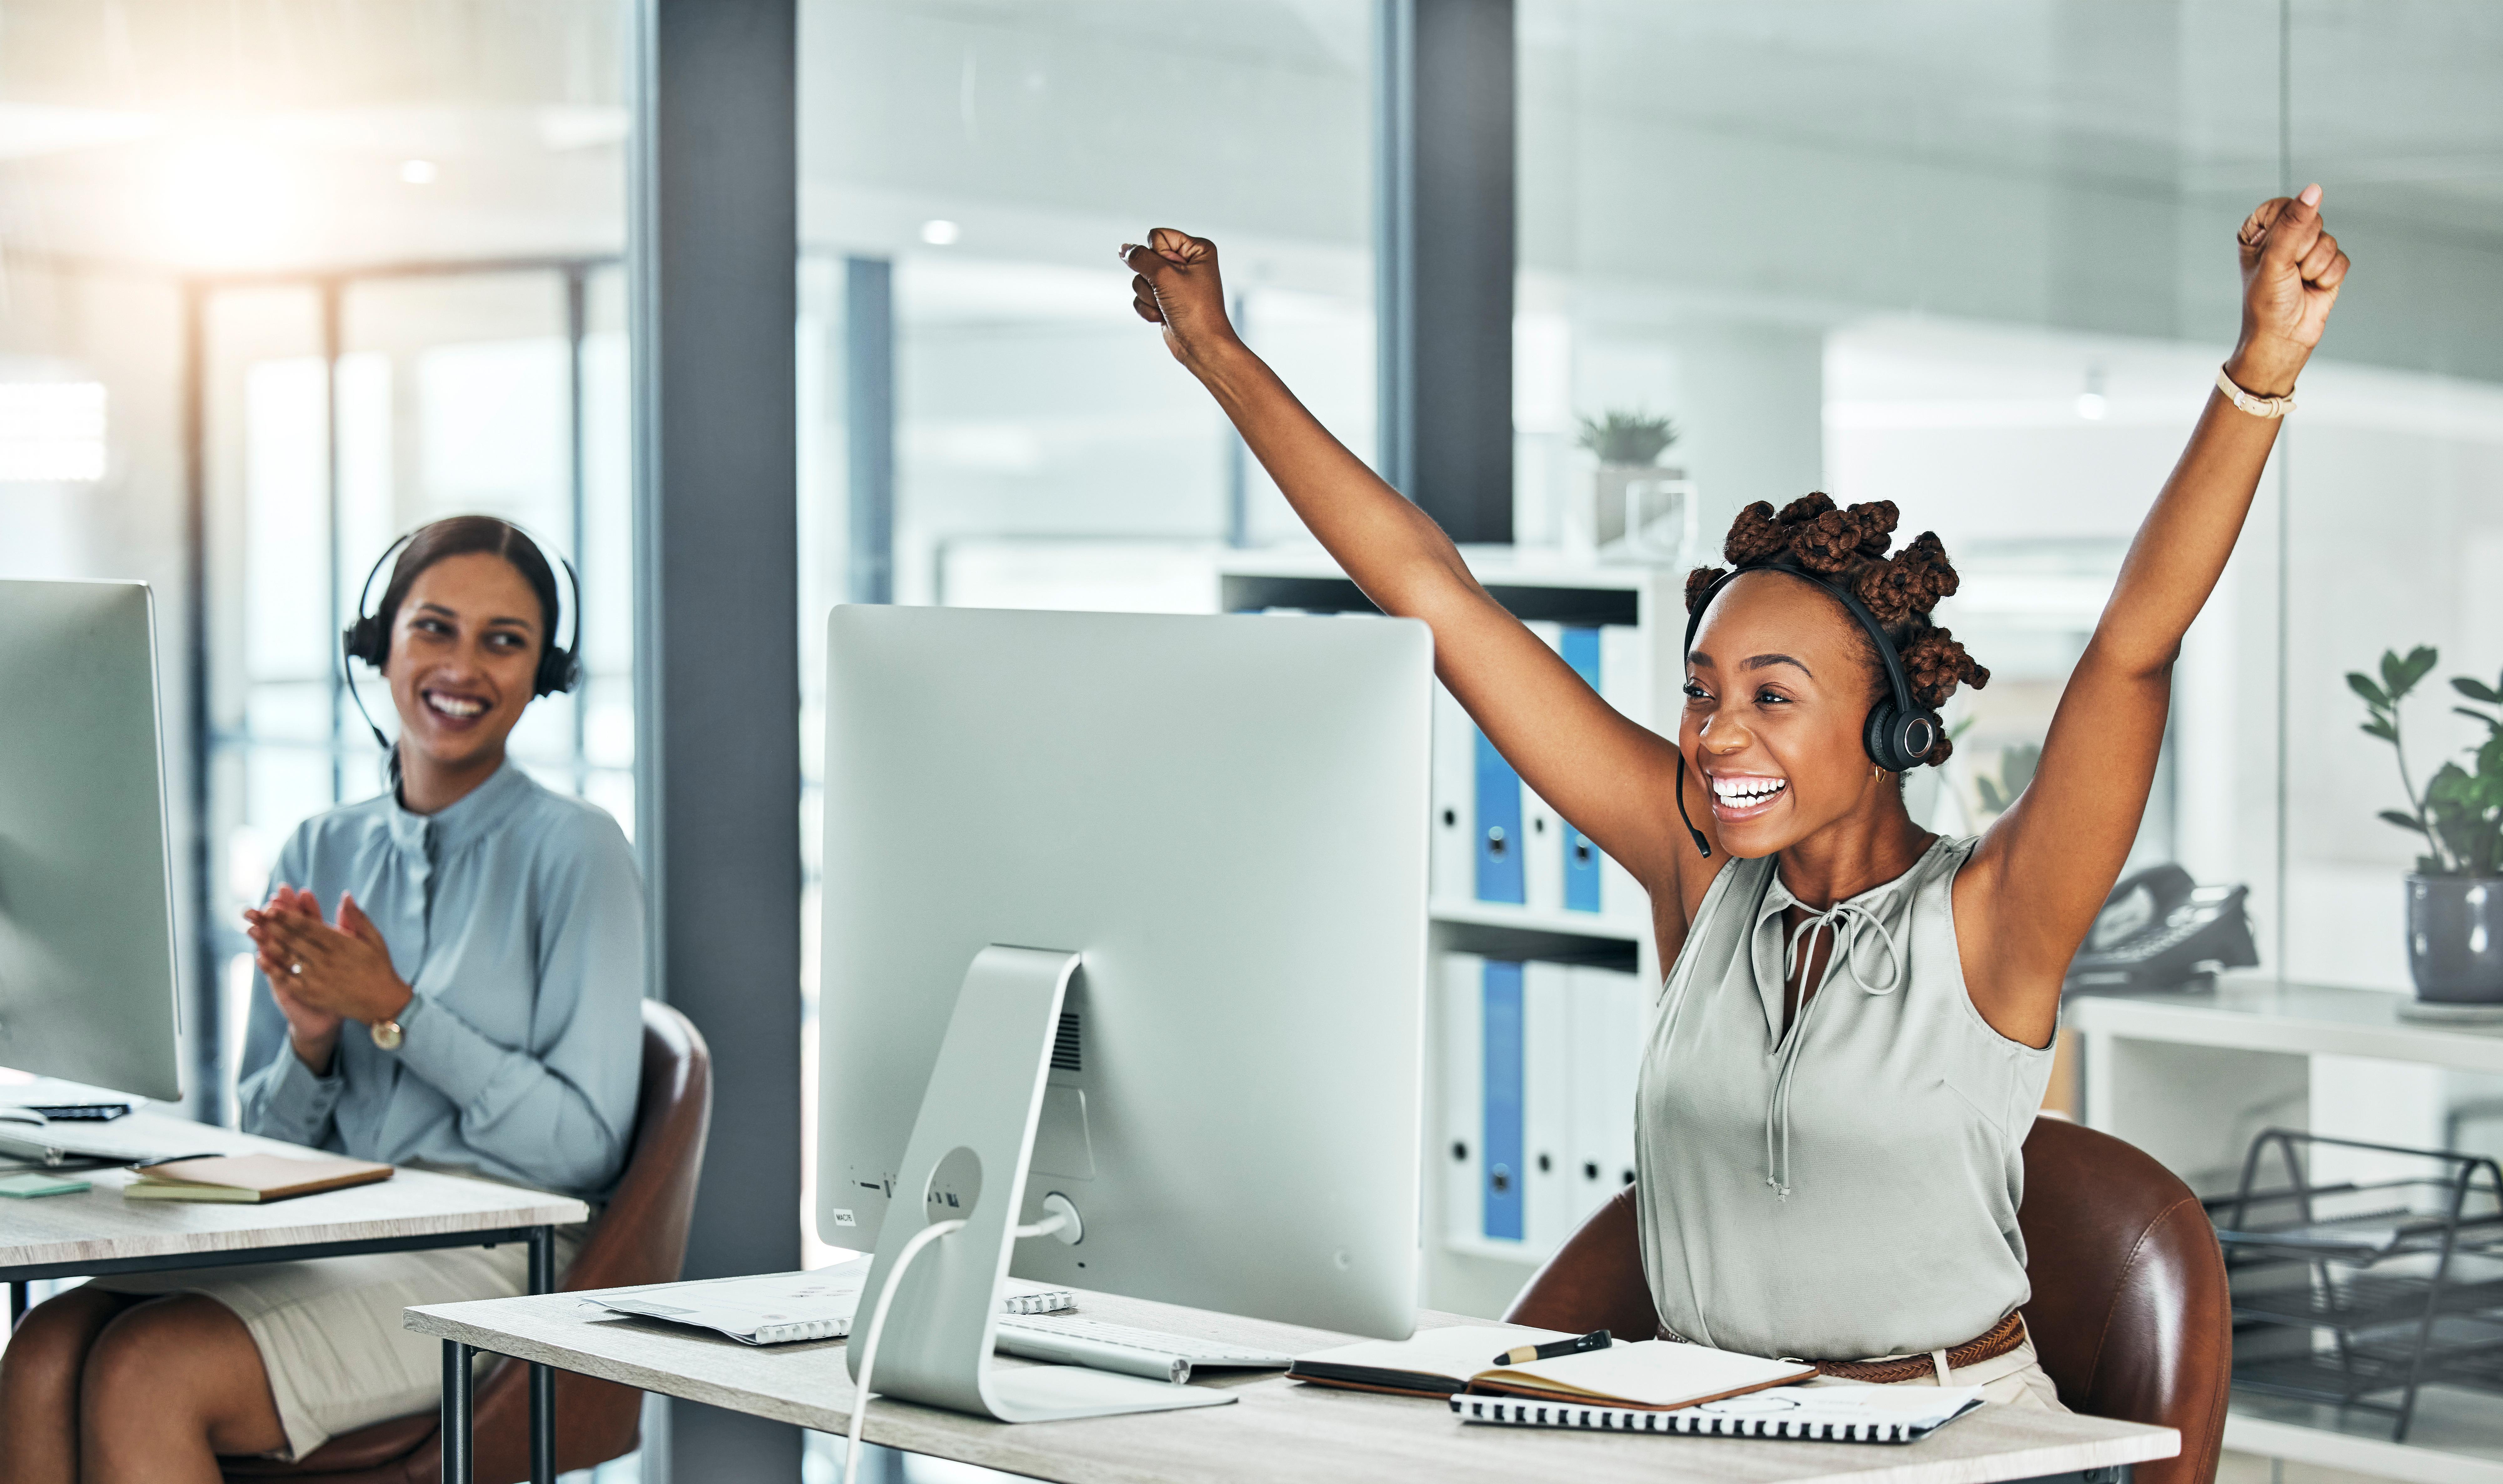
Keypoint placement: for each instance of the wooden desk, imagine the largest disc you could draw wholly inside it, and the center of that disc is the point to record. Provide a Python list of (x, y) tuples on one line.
[(1278, 1430), (98, 1233)]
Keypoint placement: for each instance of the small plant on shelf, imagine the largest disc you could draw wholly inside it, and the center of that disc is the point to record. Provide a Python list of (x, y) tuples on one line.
[(1628, 439), (2460, 814)]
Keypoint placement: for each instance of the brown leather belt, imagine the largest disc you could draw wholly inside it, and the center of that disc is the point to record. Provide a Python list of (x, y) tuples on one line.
[(2002, 1338)]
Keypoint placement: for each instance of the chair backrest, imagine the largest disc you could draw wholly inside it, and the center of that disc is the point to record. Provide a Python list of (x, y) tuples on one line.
[(642, 1239), (2129, 1315), (1595, 1281)]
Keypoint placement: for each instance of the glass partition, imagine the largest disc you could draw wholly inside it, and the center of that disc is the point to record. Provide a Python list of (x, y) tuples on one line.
[(328, 273), (966, 177), (1977, 263), (2391, 483)]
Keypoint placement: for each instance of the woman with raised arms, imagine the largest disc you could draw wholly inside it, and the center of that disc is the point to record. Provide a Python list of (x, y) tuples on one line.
[(1854, 1035)]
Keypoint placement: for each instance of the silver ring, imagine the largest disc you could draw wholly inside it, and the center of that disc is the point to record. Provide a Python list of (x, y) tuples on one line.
[(295, 968)]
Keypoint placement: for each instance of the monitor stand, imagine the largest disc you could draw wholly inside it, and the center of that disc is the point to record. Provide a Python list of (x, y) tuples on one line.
[(967, 1160)]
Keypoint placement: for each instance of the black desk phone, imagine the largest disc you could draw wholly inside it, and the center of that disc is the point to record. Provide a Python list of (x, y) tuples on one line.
[(2161, 930)]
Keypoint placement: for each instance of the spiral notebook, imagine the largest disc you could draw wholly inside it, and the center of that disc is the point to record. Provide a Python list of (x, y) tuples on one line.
[(1827, 1414)]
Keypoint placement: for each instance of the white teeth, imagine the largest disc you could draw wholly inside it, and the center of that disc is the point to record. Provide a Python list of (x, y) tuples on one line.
[(1746, 791), (455, 705)]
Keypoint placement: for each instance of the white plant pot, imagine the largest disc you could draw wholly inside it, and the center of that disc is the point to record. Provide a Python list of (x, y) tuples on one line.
[(1640, 514)]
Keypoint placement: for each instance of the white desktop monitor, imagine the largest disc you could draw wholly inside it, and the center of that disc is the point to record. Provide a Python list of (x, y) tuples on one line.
[(87, 900), (1228, 818)]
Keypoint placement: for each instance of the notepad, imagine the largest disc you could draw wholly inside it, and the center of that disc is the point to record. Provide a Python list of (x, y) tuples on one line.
[(1642, 1373), (29, 1186), (1828, 1414), (252, 1178)]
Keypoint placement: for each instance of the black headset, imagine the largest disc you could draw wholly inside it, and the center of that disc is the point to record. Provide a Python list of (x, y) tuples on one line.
[(368, 638), (1900, 733)]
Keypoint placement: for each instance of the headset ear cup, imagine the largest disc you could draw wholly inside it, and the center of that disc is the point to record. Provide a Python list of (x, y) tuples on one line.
[(1900, 741), (1920, 734), (1881, 738), (364, 640), (559, 672)]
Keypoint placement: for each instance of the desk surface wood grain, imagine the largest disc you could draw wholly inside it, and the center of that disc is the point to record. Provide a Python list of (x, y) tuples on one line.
[(1278, 1430), (99, 1225)]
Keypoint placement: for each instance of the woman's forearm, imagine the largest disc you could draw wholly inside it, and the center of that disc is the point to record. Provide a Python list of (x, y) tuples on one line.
[(2291, 272), (2181, 547), (1393, 549)]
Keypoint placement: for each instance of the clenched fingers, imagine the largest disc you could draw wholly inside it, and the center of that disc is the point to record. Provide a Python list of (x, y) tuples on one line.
[(2317, 262), (2283, 230)]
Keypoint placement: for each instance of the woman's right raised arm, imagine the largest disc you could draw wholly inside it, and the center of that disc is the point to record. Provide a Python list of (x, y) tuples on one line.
[(1615, 781)]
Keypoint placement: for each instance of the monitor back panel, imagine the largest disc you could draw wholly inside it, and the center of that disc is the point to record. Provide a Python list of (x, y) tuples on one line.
[(86, 922), (1228, 817)]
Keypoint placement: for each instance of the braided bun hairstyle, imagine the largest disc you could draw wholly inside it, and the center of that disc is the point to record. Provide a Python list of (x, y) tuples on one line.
[(1846, 548)]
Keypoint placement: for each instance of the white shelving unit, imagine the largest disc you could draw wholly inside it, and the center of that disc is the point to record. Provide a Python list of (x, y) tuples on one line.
[(1481, 1277), (2190, 1078)]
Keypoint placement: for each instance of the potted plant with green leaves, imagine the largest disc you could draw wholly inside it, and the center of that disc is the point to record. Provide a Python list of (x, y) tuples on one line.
[(2456, 893), (1637, 511)]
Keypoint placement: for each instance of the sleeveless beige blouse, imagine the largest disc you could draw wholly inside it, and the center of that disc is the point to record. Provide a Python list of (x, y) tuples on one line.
[(1850, 1189)]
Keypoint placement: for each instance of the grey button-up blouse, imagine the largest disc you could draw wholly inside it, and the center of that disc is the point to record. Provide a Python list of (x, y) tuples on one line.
[(517, 916)]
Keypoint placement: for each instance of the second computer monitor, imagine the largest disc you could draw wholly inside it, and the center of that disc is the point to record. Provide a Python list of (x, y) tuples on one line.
[(1228, 818), (87, 916)]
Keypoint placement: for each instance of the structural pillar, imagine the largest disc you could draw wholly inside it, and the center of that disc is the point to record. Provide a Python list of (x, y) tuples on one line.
[(713, 257), (1444, 255)]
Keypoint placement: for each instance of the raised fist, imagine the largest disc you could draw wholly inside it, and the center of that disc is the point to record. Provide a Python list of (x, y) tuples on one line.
[(2291, 271), (1177, 286)]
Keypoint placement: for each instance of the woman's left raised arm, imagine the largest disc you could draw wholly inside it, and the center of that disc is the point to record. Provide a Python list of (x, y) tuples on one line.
[(2042, 872)]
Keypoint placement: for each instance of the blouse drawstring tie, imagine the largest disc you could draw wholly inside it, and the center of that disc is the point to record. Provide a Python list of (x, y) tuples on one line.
[(1851, 924)]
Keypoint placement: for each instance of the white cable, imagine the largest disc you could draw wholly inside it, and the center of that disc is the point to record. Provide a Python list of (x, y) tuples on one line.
[(877, 1322), (1052, 1225)]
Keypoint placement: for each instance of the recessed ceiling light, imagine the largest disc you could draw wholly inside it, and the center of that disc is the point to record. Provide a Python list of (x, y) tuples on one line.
[(417, 172), (939, 233)]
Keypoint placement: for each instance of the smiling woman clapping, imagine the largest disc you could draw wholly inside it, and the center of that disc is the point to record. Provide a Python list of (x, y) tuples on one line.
[(471, 1004)]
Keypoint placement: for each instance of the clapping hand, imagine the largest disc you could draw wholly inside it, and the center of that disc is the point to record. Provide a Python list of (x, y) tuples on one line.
[(2291, 271), (323, 974)]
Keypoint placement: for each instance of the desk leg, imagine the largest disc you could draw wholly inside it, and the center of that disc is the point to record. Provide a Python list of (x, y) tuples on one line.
[(542, 1377), (16, 1304), (456, 1395)]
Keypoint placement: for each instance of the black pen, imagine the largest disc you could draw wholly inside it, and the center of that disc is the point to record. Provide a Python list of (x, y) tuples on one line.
[(1596, 1339)]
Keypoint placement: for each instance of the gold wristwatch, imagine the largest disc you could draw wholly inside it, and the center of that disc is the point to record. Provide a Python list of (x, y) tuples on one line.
[(386, 1034)]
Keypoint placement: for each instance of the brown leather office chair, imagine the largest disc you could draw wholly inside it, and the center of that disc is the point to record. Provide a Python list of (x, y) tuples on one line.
[(642, 1238), (2129, 1315)]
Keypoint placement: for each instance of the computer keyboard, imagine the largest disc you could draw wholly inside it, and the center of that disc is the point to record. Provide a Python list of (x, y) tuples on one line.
[(1124, 1348)]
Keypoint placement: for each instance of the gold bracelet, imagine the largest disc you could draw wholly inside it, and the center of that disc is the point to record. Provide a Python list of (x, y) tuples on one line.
[(2256, 407)]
